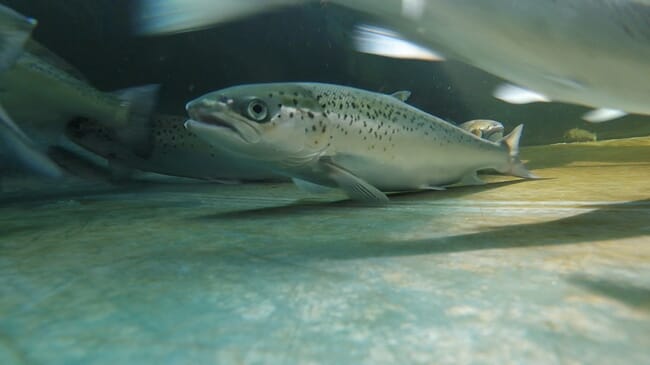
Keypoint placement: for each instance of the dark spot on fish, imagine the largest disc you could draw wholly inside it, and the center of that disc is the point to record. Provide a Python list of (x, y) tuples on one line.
[(291, 115), (313, 128), (310, 114), (295, 102)]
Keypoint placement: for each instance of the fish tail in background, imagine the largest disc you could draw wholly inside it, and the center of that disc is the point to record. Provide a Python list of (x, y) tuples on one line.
[(14, 32), (515, 167), (21, 148), (140, 103)]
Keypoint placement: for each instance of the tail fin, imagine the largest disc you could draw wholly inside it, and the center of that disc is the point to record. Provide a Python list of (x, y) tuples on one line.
[(515, 167), (21, 148), (14, 32), (140, 103)]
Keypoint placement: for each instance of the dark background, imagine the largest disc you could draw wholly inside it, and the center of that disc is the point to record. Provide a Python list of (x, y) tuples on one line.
[(307, 43)]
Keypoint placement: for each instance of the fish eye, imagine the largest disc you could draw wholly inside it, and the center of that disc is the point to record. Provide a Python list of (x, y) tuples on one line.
[(257, 110)]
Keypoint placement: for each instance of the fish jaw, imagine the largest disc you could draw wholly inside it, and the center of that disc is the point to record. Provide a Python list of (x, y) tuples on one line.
[(217, 120)]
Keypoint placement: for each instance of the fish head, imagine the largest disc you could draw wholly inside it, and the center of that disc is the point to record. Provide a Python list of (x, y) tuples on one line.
[(264, 122), (484, 128)]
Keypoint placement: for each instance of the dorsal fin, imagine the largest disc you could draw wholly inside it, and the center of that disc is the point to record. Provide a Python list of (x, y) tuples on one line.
[(48, 56), (512, 140), (402, 95)]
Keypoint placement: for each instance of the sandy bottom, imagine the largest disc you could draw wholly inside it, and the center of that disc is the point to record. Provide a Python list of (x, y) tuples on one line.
[(550, 271)]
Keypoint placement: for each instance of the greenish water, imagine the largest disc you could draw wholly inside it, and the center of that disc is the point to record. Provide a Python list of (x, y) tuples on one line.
[(175, 271)]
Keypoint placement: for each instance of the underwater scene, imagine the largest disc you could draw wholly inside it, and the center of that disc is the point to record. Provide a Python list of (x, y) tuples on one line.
[(324, 182)]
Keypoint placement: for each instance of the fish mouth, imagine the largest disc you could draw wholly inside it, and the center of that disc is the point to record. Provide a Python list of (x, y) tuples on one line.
[(224, 121), (212, 120)]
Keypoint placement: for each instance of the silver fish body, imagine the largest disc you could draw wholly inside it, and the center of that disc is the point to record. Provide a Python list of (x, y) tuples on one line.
[(593, 53), (335, 136)]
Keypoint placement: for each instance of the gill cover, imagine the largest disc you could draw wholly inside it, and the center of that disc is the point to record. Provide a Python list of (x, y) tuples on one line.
[(275, 113)]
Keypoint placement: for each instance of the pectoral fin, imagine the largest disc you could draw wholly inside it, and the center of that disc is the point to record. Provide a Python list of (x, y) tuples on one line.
[(355, 187)]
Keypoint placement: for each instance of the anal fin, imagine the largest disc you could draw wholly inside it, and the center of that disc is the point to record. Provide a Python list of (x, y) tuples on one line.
[(471, 179)]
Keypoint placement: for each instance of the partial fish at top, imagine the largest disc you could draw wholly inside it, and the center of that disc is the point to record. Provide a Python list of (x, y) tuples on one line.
[(594, 53), (362, 142)]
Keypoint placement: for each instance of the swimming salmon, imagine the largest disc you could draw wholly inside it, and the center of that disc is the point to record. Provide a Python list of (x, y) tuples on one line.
[(362, 142)]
